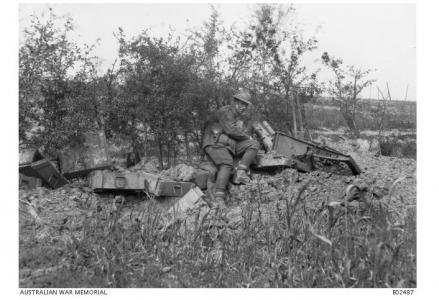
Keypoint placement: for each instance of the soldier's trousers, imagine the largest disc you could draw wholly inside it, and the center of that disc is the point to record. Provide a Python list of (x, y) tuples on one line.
[(222, 156)]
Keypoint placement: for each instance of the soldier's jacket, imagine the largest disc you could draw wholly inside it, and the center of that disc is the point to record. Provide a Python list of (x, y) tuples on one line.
[(225, 128)]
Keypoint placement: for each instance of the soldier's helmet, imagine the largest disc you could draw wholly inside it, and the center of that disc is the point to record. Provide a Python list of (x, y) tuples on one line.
[(243, 96)]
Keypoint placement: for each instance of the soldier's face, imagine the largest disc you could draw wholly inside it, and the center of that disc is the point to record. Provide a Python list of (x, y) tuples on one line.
[(240, 107)]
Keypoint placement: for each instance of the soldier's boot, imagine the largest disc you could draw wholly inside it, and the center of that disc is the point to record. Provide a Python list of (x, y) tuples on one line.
[(222, 179), (241, 176), (220, 197)]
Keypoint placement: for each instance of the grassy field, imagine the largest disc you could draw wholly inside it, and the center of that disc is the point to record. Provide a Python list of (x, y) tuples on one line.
[(284, 230)]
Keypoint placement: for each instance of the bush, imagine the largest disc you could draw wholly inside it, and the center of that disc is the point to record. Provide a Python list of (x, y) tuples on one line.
[(397, 147)]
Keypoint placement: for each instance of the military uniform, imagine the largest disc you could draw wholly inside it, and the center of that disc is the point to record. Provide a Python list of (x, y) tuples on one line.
[(224, 138)]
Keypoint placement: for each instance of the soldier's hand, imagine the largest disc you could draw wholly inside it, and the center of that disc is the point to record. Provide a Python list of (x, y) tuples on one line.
[(223, 139)]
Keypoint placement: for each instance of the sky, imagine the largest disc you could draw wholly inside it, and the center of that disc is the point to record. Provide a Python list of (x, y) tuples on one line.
[(371, 36)]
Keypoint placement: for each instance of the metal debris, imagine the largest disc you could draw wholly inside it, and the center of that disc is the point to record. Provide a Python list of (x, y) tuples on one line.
[(180, 209), (33, 163), (308, 152)]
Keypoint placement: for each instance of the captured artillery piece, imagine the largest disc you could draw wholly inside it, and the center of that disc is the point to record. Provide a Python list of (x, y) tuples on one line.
[(284, 151)]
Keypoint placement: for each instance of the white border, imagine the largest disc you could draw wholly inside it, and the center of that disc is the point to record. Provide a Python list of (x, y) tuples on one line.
[(427, 99)]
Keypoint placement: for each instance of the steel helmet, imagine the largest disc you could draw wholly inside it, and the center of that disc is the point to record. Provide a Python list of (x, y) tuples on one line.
[(243, 97)]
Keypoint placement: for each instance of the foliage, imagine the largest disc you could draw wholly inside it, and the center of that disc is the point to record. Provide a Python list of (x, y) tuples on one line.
[(268, 58), (398, 147), (348, 84), (160, 91), (157, 80), (50, 69)]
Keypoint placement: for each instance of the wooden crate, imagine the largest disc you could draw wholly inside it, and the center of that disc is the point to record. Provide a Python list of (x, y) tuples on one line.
[(45, 170), (102, 180)]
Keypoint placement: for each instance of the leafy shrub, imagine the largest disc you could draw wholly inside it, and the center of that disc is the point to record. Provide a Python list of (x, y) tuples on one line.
[(397, 147)]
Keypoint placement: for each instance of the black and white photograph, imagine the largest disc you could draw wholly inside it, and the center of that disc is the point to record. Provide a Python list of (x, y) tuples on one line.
[(217, 145)]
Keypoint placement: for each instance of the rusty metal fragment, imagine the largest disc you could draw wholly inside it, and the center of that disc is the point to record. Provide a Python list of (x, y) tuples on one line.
[(87, 154)]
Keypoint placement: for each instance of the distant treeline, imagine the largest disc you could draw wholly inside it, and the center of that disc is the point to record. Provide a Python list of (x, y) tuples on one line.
[(400, 103), (323, 112)]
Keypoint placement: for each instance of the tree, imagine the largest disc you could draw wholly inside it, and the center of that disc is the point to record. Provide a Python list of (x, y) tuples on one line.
[(211, 90), (50, 69), (156, 77), (348, 83), (268, 59)]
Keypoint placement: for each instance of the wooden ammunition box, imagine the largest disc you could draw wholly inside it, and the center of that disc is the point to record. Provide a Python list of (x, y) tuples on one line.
[(45, 170), (102, 180)]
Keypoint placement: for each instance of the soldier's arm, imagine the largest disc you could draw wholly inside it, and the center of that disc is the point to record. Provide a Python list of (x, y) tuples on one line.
[(229, 123)]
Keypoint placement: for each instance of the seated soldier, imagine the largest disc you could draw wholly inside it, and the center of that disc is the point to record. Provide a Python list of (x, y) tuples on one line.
[(226, 137)]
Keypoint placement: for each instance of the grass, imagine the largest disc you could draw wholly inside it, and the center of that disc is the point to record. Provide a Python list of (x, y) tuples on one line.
[(286, 242)]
